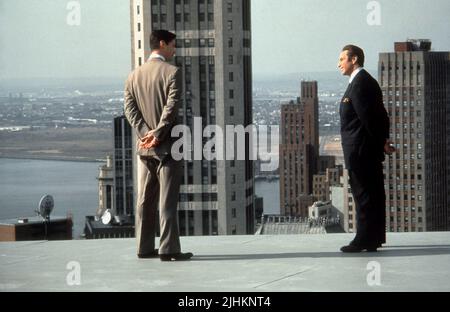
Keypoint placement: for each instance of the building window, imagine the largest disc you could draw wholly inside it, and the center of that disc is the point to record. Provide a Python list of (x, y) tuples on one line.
[(230, 25), (231, 111), (230, 42), (231, 77), (231, 95), (139, 26), (230, 60), (230, 7)]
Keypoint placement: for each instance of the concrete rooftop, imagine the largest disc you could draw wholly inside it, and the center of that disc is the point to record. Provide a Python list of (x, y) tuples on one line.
[(291, 263)]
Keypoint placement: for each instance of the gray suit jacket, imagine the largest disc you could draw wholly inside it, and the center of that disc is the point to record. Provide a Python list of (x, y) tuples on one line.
[(152, 100)]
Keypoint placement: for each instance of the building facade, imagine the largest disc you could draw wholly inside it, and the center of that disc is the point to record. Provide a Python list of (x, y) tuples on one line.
[(214, 53), (323, 182), (416, 88), (123, 168), (299, 151), (115, 180), (342, 199), (105, 187)]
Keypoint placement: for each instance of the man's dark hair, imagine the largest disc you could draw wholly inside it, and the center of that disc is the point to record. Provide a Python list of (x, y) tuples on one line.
[(352, 51), (160, 35)]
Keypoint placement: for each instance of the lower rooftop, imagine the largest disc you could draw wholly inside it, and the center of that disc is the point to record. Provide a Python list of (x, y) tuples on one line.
[(277, 263)]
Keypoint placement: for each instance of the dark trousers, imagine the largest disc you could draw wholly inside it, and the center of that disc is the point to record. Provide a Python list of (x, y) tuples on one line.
[(367, 183)]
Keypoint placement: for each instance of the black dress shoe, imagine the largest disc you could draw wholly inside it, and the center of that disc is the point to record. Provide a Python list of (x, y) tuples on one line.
[(151, 255), (352, 249), (177, 257), (356, 249)]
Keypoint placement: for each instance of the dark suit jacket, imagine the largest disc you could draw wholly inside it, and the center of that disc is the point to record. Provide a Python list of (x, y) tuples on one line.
[(364, 122)]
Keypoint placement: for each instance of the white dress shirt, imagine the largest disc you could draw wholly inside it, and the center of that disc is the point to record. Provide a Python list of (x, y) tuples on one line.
[(355, 72), (157, 56)]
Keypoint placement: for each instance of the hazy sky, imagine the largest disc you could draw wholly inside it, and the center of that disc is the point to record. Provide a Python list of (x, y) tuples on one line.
[(289, 36)]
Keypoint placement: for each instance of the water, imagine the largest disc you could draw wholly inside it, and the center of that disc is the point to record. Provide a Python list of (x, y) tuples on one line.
[(73, 186), (270, 192)]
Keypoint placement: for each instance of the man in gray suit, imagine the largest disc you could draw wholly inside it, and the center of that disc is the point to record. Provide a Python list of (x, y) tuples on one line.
[(152, 100)]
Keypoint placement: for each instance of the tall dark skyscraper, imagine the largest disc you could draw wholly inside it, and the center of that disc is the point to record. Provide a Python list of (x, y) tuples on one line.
[(214, 52), (123, 168), (299, 151), (416, 89)]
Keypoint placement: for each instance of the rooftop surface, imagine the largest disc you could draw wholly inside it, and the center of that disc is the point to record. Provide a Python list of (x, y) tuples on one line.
[(281, 263)]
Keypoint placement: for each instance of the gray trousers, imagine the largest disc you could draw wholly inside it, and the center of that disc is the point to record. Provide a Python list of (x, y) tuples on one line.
[(159, 179)]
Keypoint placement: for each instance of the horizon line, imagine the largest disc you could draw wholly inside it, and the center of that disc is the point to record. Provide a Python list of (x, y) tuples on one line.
[(255, 74)]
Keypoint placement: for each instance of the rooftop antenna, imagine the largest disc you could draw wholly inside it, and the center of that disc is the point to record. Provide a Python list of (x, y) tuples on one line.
[(46, 206)]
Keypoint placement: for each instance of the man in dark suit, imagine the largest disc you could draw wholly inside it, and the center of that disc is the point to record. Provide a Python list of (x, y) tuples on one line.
[(365, 140), (152, 100)]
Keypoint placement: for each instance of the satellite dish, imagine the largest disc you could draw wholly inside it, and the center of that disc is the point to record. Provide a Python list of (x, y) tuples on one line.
[(107, 217), (46, 206)]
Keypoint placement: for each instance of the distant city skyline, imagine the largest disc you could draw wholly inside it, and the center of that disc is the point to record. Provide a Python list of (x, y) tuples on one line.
[(303, 36)]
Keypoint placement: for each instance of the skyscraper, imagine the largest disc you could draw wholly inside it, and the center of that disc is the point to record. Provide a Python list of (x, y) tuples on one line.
[(123, 168), (106, 187), (299, 151), (116, 185), (416, 90), (214, 52)]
